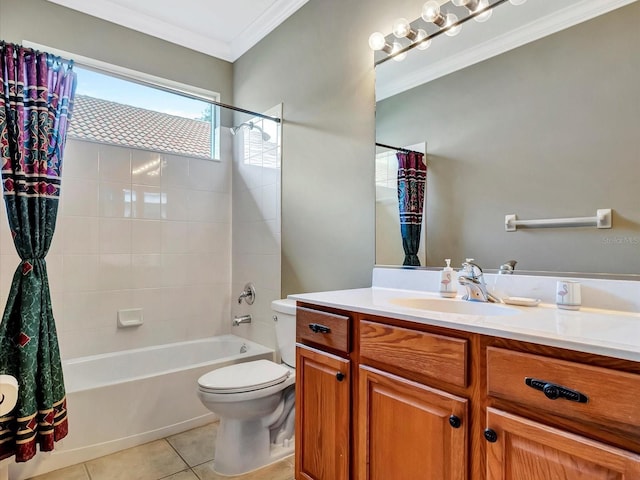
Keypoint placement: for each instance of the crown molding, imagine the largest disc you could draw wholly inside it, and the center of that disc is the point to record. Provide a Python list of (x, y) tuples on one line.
[(111, 12), (265, 24), (559, 20)]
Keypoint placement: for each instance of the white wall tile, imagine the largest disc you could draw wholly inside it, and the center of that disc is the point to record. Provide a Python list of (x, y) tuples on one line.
[(80, 160), (146, 271), (116, 200), (80, 198), (175, 171), (157, 242), (175, 203), (114, 271), (80, 273), (146, 236), (202, 174), (115, 235), (115, 164), (175, 237), (146, 168), (176, 270), (150, 300), (55, 272), (147, 202)]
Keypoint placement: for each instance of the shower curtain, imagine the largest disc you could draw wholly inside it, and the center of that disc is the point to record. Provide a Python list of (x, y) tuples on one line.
[(412, 175), (35, 106)]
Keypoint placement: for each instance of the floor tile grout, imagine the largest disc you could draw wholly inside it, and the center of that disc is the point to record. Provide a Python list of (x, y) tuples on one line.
[(183, 447)]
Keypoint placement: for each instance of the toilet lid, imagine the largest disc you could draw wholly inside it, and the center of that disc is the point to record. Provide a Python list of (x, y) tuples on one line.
[(244, 377)]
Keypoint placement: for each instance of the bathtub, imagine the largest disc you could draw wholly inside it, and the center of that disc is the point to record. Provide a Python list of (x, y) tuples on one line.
[(123, 399)]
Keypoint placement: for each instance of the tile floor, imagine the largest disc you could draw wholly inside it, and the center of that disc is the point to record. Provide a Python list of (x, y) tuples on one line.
[(185, 456)]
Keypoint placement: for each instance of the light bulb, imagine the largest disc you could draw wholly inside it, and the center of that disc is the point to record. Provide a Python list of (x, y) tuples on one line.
[(459, 3), (451, 19), (430, 11), (517, 2), (483, 17), (377, 41), (397, 47), (401, 28), (422, 44)]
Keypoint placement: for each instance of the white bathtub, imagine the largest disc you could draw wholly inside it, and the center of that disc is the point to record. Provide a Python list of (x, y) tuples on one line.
[(119, 400)]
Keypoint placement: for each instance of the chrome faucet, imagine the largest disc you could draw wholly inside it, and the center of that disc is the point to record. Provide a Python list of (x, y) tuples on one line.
[(507, 267), (240, 319), (472, 278)]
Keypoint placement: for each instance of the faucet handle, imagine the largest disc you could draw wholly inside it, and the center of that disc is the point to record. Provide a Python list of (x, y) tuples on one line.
[(508, 267), (472, 269)]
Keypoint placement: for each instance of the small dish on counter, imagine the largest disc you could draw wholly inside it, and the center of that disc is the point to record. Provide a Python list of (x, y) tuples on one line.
[(522, 301)]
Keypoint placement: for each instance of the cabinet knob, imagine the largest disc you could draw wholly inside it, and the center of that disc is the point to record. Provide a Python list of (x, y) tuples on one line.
[(454, 421), (339, 376), (490, 435)]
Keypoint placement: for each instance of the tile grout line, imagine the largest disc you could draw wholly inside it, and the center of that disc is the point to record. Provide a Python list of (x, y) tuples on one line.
[(86, 470), (166, 439)]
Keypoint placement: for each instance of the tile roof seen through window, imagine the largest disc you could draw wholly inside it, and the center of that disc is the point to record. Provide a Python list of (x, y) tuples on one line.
[(118, 124)]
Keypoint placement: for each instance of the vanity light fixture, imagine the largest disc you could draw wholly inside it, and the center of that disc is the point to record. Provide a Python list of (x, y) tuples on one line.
[(476, 6), (435, 16)]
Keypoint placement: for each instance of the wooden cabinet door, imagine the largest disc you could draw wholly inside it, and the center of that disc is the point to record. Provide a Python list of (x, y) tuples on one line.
[(322, 415), (527, 450), (405, 431)]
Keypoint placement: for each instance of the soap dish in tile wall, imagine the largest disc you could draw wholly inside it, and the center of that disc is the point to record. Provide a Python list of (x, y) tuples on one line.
[(522, 301)]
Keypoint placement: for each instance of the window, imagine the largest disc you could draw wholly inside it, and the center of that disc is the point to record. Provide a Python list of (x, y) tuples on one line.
[(110, 109)]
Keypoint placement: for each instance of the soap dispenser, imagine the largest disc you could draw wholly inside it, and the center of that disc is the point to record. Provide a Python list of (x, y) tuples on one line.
[(448, 284)]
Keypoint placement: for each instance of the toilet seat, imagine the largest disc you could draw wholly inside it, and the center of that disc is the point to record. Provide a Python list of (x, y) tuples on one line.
[(244, 377)]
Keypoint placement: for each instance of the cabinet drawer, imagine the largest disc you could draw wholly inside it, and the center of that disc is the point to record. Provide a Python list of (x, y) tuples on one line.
[(611, 396), (429, 355), (322, 329)]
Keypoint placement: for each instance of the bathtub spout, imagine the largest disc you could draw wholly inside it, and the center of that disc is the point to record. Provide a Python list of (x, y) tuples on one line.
[(240, 319)]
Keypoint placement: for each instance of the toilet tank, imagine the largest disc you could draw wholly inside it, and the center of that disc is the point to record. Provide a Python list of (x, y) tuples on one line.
[(285, 321)]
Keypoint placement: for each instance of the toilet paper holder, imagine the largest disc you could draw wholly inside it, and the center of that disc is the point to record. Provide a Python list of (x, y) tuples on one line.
[(8, 393)]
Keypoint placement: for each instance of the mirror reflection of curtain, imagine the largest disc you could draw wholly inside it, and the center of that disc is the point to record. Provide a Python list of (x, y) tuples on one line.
[(412, 175)]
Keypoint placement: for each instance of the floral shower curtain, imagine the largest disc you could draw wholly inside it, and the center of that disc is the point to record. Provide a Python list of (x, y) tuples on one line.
[(35, 106), (412, 175)]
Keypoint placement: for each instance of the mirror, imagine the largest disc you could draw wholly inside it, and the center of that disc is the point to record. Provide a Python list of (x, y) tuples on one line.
[(541, 127)]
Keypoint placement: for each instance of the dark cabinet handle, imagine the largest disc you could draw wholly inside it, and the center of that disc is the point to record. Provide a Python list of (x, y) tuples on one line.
[(553, 391), (317, 328), (490, 435), (454, 421), (339, 376)]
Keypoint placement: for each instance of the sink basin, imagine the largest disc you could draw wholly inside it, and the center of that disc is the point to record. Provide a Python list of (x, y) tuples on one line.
[(460, 307)]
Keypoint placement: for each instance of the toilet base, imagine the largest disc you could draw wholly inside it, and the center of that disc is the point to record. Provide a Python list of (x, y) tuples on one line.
[(256, 451)]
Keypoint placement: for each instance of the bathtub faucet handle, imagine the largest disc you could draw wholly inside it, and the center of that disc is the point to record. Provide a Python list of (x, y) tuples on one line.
[(249, 294)]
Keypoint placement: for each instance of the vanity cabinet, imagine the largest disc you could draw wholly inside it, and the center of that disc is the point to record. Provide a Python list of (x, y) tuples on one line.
[(575, 401), (522, 449), (406, 428), (323, 396), (437, 403)]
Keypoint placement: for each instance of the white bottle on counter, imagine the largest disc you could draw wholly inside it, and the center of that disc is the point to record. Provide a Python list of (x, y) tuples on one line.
[(448, 283)]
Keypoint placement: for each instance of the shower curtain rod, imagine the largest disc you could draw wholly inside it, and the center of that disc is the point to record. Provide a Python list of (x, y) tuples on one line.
[(192, 96), (58, 58), (397, 148)]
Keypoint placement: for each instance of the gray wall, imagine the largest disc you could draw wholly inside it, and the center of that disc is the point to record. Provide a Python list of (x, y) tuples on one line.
[(547, 130), (48, 24), (319, 65)]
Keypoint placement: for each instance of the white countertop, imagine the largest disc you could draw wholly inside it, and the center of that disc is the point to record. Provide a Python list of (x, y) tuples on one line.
[(604, 332)]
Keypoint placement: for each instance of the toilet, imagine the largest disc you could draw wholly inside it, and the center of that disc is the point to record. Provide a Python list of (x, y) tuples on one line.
[(255, 402)]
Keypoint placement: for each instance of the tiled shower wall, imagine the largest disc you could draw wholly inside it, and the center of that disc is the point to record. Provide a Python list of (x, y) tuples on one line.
[(256, 226), (136, 229)]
